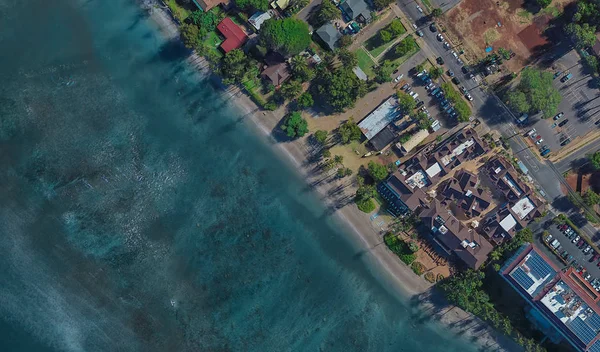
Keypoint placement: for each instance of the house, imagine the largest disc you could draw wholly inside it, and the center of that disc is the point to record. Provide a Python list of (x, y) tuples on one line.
[(234, 35), (404, 194), (356, 10), (464, 193), (280, 5), (329, 35), (386, 113), (521, 206), (454, 237), (562, 304), (258, 18), (276, 70), (206, 5)]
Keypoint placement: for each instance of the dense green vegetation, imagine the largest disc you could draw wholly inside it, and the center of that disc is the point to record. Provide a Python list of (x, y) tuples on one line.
[(400, 248), (535, 93), (364, 198), (235, 66), (377, 171), (405, 46), (381, 4), (190, 35), (338, 89), (405, 102), (251, 6), (321, 136), (300, 69), (595, 160), (463, 110), (291, 89), (305, 100), (349, 131), (591, 198), (582, 35), (348, 58), (327, 11), (294, 125), (437, 12), (288, 36)]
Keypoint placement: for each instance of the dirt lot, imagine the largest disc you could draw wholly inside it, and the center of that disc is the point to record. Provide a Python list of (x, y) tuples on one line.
[(478, 24)]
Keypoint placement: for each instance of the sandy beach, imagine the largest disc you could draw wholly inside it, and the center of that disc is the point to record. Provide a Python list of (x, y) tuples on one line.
[(383, 264)]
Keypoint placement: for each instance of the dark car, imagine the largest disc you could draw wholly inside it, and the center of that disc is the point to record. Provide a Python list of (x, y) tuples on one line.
[(596, 257), (455, 80), (565, 142), (405, 86), (419, 33), (420, 103), (432, 27), (464, 70), (563, 123), (580, 243), (439, 60), (451, 74)]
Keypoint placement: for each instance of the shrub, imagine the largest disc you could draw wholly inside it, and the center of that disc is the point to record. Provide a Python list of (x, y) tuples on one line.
[(418, 268), (400, 248), (439, 277), (366, 205), (429, 276)]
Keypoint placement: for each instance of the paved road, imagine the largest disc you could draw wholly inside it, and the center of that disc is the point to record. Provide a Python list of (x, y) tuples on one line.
[(307, 11), (578, 159), (492, 110)]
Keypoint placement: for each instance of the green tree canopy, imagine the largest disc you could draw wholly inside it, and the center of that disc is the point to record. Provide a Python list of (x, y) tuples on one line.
[(291, 89), (436, 72), (383, 71), (234, 66), (377, 171), (300, 69), (385, 36), (595, 160), (582, 35), (517, 100), (339, 89), (305, 100), (327, 12), (348, 58), (250, 6), (405, 46), (437, 12), (345, 41), (321, 136), (349, 131), (424, 120), (537, 87), (363, 197), (294, 125), (381, 4), (543, 3), (396, 28), (205, 21), (190, 35), (288, 36), (591, 198), (405, 102)]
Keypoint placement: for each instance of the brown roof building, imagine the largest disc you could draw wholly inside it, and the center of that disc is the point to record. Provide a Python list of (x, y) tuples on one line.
[(521, 206), (463, 190), (206, 5), (454, 237)]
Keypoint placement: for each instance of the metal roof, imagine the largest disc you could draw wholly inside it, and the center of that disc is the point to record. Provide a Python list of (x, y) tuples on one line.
[(376, 121)]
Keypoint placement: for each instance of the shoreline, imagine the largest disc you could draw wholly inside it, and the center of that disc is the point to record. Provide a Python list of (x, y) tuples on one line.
[(381, 263)]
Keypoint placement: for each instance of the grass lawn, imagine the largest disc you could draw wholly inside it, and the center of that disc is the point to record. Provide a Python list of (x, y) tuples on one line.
[(213, 41), (179, 12), (364, 62), (376, 47), (400, 60)]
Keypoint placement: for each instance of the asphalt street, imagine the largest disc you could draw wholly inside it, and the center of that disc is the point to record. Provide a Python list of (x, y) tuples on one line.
[(492, 110)]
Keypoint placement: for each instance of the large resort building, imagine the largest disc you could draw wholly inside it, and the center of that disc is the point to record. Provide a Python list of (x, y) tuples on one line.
[(563, 304)]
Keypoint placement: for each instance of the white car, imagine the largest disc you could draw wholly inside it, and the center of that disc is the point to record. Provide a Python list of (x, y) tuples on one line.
[(539, 141), (414, 95), (454, 54), (397, 79), (414, 26), (446, 45), (419, 9)]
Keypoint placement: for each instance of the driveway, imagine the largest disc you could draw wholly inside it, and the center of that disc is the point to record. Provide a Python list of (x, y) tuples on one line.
[(306, 12)]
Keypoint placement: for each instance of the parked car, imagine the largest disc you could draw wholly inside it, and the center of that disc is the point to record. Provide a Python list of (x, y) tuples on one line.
[(451, 74), (531, 131), (406, 86), (432, 27), (397, 79), (415, 26), (420, 103), (587, 249), (440, 37), (462, 89), (559, 115), (539, 141), (419, 9), (439, 60), (565, 142), (543, 148), (468, 96), (580, 243), (419, 33), (414, 95), (460, 62), (455, 80), (587, 276), (435, 91), (566, 77), (558, 73), (596, 257), (545, 152), (464, 70), (454, 54), (548, 238), (564, 122), (446, 45)]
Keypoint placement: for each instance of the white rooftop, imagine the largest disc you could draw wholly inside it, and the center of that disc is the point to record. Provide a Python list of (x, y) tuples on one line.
[(458, 151), (258, 18), (376, 121), (523, 207), (418, 179), (508, 222), (433, 170)]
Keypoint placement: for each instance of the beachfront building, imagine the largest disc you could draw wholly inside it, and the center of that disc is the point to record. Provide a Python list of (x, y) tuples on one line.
[(234, 35), (206, 5), (465, 196), (386, 113), (454, 237), (329, 35), (521, 206), (562, 304), (356, 10), (276, 69)]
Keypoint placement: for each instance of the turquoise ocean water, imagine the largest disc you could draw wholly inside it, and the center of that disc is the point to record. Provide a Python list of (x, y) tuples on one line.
[(138, 214)]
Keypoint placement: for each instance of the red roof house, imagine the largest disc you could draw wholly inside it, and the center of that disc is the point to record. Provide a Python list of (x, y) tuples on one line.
[(234, 35)]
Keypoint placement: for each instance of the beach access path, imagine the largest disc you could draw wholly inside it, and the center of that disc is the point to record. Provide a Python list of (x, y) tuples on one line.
[(383, 264)]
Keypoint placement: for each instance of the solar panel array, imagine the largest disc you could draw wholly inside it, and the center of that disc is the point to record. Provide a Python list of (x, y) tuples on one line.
[(522, 279), (539, 267), (595, 347), (582, 330), (593, 321)]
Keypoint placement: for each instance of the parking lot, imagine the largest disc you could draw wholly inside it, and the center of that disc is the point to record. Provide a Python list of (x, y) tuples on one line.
[(578, 104), (573, 250)]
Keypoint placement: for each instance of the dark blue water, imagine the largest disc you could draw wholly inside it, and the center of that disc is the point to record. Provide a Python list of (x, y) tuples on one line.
[(137, 213)]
